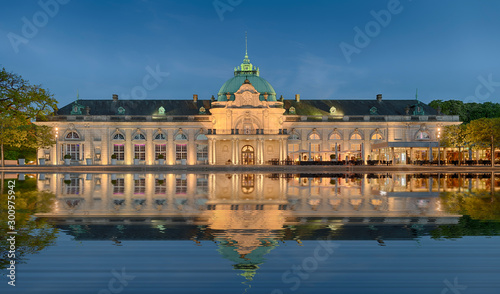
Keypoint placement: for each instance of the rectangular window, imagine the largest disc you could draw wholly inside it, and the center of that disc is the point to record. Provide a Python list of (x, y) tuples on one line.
[(333, 147), (355, 147), (160, 186), (140, 186), (180, 151), (201, 152), (71, 149), (293, 148), (180, 186), (160, 149), (119, 150), (118, 186), (202, 185), (140, 151), (315, 147)]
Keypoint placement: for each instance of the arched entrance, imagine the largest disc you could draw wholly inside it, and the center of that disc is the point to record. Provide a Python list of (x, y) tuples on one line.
[(247, 155)]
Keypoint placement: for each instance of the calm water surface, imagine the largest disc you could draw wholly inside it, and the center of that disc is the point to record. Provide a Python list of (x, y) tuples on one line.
[(254, 233)]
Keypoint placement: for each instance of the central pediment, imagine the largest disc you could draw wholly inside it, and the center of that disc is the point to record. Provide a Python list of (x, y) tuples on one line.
[(247, 96)]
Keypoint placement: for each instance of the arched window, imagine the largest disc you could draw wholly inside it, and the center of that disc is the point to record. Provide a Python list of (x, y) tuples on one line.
[(201, 137), (314, 136), (376, 136), (294, 136), (356, 136), (160, 136), (139, 137), (422, 135), (72, 136), (181, 136), (335, 136), (118, 136)]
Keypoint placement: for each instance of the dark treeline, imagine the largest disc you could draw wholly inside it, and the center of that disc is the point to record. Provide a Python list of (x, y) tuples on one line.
[(467, 111)]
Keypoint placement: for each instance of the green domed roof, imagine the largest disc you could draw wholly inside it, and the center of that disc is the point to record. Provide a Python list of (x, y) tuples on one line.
[(246, 71), (233, 84)]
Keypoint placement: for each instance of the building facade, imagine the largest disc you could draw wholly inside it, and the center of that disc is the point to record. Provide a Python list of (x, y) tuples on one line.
[(245, 125)]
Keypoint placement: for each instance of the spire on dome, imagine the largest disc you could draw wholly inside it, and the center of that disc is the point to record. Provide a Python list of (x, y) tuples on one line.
[(246, 67)]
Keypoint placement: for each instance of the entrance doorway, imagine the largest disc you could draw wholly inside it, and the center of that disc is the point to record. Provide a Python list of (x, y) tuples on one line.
[(247, 155)]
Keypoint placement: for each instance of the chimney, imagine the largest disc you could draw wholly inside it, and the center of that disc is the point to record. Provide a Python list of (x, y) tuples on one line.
[(379, 97), (297, 97), (115, 97), (195, 98)]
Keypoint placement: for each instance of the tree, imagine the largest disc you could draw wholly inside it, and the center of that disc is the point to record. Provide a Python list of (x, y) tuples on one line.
[(484, 133), (20, 104), (455, 136)]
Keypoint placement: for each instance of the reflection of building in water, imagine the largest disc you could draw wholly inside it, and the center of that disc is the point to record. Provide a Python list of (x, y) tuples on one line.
[(190, 196), (245, 236)]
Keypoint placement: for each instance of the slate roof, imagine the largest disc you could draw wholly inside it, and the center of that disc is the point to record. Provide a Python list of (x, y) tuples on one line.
[(304, 107), (356, 107), (139, 107)]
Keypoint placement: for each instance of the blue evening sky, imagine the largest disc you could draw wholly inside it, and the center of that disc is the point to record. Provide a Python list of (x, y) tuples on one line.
[(447, 49)]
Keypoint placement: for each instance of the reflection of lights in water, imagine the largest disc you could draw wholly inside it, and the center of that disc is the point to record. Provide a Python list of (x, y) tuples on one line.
[(383, 193)]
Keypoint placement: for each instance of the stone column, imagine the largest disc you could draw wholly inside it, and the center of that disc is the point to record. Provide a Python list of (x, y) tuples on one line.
[(281, 149), (237, 152), (210, 147)]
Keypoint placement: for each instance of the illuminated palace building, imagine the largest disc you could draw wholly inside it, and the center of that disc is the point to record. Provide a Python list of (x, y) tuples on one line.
[(245, 125)]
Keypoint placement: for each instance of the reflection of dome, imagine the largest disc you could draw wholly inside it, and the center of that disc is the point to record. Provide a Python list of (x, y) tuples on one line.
[(245, 236), (247, 263), (246, 71)]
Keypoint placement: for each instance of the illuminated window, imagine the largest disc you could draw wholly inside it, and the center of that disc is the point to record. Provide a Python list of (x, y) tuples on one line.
[(314, 136), (377, 136), (180, 151), (72, 149), (160, 149), (140, 151), (119, 150), (356, 136), (335, 136)]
